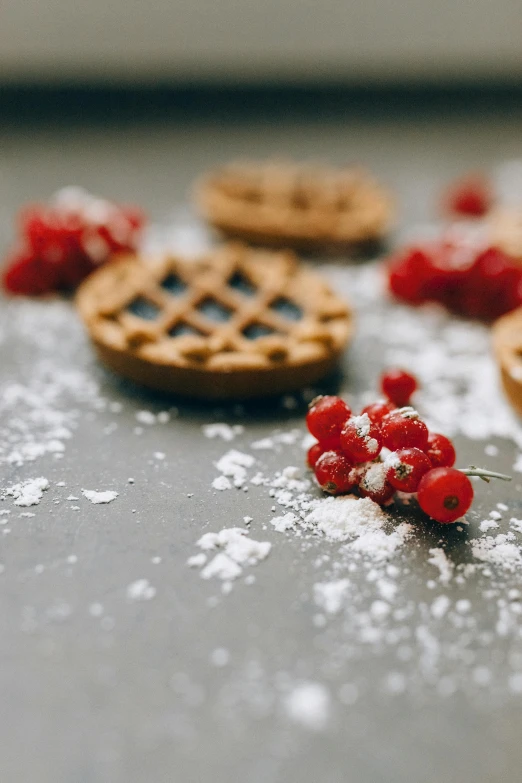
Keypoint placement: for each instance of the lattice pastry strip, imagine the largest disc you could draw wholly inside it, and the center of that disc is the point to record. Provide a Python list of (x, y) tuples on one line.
[(173, 323)]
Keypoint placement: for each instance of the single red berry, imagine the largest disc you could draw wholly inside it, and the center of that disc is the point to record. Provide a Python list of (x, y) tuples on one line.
[(471, 196), (326, 417), (404, 429), (405, 468), (445, 494), (398, 385), (335, 473), (361, 439), (378, 410), (407, 274), (440, 451), (314, 452), (373, 483)]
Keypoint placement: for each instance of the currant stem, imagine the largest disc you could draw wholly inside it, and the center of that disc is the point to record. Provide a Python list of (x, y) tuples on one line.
[(484, 474)]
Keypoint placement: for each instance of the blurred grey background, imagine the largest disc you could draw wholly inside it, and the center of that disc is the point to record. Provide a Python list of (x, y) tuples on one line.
[(179, 41)]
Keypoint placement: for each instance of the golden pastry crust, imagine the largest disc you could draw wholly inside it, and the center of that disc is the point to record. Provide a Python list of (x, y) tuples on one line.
[(507, 346), (505, 230), (306, 207), (233, 324)]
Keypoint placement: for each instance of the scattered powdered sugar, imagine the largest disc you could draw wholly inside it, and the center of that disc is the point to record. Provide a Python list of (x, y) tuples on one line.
[(330, 596), (234, 465), (309, 704), (107, 496), (237, 552), (221, 430), (221, 482), (38, 410), (140, 590), (28, 493), (501, 550), (440, 560)]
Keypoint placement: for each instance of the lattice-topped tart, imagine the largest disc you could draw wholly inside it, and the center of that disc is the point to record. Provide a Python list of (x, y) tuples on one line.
[(507, 345), (303, 206), (234, 323)]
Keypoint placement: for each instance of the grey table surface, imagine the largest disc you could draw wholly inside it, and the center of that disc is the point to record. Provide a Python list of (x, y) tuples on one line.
[(96, 687)]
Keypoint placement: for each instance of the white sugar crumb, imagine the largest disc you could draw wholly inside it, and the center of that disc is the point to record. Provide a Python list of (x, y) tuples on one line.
[(286, 522), (221, 483), (197, 561), (140, 590), (502, 507), (160, 455), (277, 440), (495, 515), (517, 465), (234, 464), (491, 450), (488, 524), (440, 606), (146, 417), (28, 493), (72, 498), (106, 496), (309, 705), (237, 552), (330, 596), (221, 430), (220, 657), (440, 560)]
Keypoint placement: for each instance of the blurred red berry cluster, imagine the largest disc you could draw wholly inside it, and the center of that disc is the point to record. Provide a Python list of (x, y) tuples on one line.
[(476, 283), (60, 243)]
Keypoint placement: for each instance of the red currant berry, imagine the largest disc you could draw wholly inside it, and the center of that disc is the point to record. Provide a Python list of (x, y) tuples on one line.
[(470, 196), (440, 451), (361, 439), (326, 417), (314, 452), (335, 473), (445, 494), (373, 483), (378, 410), (404, 429), (405, 468), (407, 274), (398, 385)]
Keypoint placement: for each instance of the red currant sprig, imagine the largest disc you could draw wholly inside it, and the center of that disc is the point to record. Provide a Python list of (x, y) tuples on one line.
[(348, 458)]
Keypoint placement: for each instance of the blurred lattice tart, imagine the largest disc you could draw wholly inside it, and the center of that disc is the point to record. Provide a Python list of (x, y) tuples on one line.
[(507, 346), (303, 206), (234, 323)]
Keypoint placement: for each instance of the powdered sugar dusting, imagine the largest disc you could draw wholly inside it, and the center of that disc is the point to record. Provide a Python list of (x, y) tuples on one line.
[(28, 493), (95, 497)]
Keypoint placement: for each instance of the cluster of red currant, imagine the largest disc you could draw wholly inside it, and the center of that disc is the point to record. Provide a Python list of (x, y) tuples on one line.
[(475, 283), (386, 448), (62, 242)]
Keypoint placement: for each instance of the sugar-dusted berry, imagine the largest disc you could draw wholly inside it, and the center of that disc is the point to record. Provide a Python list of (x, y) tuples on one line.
[(404, 429), (335, 473), (373, 483), (405, 468), (361, 439)]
